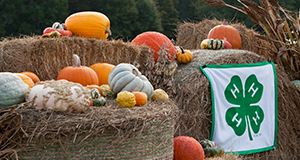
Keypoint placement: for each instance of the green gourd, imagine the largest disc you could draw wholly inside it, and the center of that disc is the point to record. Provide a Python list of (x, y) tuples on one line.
[(101, 101), (215, 44), (12, 89), (210, 148)]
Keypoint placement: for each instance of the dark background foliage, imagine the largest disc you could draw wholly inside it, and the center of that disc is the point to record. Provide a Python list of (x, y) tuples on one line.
[(128, 17)]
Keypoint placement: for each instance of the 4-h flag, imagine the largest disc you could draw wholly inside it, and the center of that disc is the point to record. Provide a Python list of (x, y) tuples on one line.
[(244, 106)]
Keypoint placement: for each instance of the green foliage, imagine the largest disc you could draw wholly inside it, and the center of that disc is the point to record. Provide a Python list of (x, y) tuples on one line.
[(169, 17)]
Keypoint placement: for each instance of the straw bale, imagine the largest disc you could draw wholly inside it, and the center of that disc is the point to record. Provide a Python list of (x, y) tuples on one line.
[(47, 56), (190, 35), (194, 100)]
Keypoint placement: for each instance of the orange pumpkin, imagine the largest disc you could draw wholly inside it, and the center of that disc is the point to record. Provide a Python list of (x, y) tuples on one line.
[(102, 70), (187, 148), (33, 76), (27, 80), (96, 87), (89, 24), (79, 74), (184, 56), (155, 40), (225, 31), (140, 98)]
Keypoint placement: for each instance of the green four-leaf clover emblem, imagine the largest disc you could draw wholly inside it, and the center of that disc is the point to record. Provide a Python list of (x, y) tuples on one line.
[(247, 115)]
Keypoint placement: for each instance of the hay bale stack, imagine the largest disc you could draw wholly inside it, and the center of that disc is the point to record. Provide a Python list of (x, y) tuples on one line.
[(46, 57), (194, 100), (106, 132), (190, 35)]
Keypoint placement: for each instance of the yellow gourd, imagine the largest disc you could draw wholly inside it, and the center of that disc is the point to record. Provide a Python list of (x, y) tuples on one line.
[(125, 99), (159, 95)]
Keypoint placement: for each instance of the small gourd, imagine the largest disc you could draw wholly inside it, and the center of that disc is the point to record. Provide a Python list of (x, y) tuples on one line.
[(95, 94), (212, 44), (210, 148), (94, 86), (140, 98), (101, 101), (184, 56), (106, 91), (159, 95), (125, 99)]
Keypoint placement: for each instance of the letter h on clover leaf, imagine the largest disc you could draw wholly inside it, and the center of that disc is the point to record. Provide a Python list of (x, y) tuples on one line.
[(246, 115)]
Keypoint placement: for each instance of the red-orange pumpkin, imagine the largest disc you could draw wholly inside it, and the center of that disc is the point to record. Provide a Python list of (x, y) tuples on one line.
[(33, 76), (27, 80), (79, 74), (187, 148), (225, 31), (155, 40), (140, 98), (102, 70)]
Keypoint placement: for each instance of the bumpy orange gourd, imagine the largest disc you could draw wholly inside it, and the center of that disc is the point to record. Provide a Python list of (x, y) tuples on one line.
[(33, 76), (102, 70), (227, 32), (79, 74), (89, 24), (155, 40), (184, 56), (27, 80), (187, 148), (140, 98)]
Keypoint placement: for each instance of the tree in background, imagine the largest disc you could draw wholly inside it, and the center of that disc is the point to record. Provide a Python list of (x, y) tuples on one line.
[(30, 17), (148, 17), (169, 17)]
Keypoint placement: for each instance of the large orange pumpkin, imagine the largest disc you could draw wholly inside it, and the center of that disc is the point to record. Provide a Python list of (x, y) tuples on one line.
[(89, 24), (225, 31), (27, 80), (102, 70), (33, 76), (79, 74), (187, 148), (155, 40)]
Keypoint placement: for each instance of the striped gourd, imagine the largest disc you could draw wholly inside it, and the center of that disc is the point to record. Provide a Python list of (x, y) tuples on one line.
[(215, 44)]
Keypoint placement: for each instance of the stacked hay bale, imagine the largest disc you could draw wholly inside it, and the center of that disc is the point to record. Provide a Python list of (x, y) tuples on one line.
[(194, 100), (46, 57), (190, 35)]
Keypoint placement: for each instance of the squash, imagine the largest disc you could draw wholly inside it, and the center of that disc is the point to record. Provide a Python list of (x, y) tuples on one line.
[(79, 74), (95, 94), (140, 98), (187, 148), (125, 99), (227, 44), (31, 75), (102, 70), (215, 44), (106, 91), (203, 44), (126, 77), (89, 24), (101, 101), (226, 31), (155, 41), (12, 89), (159, 95), (59, 96), (27, 80), (93, 86), (210, 148), (184, 56)]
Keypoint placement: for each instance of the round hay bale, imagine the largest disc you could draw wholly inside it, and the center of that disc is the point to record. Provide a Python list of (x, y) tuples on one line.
[(107, 132), (190, 35), (194, 100)]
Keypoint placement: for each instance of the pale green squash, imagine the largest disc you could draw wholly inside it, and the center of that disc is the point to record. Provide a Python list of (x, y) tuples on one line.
[(12, 89)]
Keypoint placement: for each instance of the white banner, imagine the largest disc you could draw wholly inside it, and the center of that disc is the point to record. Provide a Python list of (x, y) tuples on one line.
[(244, 110)]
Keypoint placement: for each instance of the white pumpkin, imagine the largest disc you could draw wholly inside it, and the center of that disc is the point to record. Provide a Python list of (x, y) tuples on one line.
[(126, 77), (12, 89), (59, 96)]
